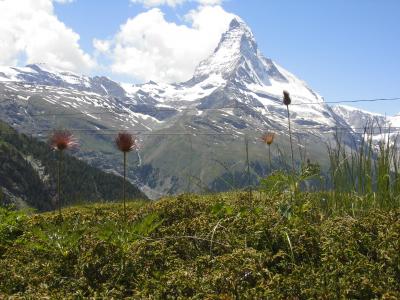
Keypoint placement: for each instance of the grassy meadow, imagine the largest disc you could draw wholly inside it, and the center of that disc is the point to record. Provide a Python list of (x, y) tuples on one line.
[(220, 246)]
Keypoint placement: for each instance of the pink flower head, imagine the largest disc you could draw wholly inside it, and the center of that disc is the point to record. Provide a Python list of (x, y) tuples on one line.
[(62, 140), (268, 138), (125, 142)]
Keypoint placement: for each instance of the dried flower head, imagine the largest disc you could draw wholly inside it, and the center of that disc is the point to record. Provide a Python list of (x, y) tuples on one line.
[(268, 138), (62, 140), (125, 142), (286, 98)]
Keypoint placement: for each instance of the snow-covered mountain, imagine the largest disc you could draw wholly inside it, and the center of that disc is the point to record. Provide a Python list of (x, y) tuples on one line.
[(191, 133), (358, 118), (42, 74), (381, 127), (237, 66)]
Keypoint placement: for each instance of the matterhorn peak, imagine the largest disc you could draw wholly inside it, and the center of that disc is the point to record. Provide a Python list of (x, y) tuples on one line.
[(234, 43), (238, 24), (238, 59), (238, 37)]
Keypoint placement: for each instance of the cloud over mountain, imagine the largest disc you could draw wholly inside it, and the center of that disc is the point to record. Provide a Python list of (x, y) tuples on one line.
[(148, 47), (173, 3), (31, 32)]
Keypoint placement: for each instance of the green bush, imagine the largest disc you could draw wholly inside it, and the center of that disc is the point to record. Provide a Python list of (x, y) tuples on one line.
[(11, 227), (204, 247)]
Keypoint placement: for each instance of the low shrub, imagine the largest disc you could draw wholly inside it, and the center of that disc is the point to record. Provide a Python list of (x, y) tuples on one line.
[(203, 247)]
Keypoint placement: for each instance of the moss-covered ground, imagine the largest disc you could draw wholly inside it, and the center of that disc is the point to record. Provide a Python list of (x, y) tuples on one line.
[(221, 246)]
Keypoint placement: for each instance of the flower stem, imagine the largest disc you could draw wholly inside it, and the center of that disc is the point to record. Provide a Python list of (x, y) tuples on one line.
[(123, 186), (269, 158), (59, 183), (248, 169), (290, 137)]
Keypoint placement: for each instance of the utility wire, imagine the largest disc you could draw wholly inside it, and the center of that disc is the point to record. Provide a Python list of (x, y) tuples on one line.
[(351, 101), (238, 106), (320, 128), (382, 130)]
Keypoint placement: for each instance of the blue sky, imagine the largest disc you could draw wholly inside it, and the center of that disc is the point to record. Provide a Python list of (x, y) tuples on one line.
[(343, 49)]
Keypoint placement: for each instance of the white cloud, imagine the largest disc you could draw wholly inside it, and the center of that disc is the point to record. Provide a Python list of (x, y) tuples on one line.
[(64, 1), (102, 46), (154, 3), (30, 32), (173, 3), (148, 47), (210, 2)]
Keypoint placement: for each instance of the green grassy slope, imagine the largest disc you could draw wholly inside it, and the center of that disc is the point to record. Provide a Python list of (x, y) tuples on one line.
[(28, 170), (203, 247)]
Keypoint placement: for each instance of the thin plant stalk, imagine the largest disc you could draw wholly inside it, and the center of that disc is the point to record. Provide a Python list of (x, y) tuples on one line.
[(248, 167), (60, 157), (290, 137), (269, 158), (61, 140), (287, 101), (125, 142), (268, 138), (124, 187)]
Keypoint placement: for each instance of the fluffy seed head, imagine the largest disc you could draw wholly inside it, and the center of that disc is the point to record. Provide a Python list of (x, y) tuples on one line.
[(268, 138), (62, 140), (286, 98), (125, 142)]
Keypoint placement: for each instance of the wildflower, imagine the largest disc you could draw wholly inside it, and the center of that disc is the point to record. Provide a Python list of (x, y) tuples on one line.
[(268, 138), (61, 140), (287, 101), (286, 98), (125, 142)]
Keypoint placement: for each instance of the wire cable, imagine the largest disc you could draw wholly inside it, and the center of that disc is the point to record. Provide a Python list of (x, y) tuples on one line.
[(238, 105)]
